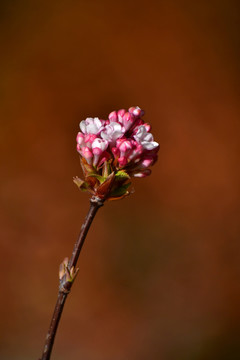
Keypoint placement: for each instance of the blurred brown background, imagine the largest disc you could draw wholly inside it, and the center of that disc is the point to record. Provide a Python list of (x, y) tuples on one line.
[(159, 273)]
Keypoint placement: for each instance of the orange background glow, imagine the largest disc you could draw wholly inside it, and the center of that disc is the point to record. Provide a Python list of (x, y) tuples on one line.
[(159, 272)]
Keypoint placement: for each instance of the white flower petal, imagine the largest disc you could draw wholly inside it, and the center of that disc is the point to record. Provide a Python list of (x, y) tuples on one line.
[(83, 126), (91, 126), (100, 143), (97, 122), (112, 132), (149, 145), (148, 137)]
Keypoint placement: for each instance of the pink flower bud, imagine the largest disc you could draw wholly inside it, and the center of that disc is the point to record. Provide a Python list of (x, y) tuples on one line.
[(89, 138), (127, 116), (115, 151), (121, 112), (113, 116), (128, 120), (136, 152), (124, 146), (148, 161), (147, 126), (122, 161), (136, 111), (80, 138), (87, 154), (143, 173)]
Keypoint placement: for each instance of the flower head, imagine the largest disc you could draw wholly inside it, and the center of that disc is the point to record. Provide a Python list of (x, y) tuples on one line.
[(114, 150)]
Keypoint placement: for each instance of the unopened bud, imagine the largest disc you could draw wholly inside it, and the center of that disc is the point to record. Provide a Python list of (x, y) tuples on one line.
[(113, 116)]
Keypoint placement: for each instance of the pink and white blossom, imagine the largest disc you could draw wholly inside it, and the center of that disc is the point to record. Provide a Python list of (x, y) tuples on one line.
[(98, 147), (112, 132), (91, 126), (123, 140), (145, 138)]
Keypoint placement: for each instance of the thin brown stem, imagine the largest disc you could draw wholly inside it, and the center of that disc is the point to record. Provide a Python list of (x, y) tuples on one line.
[(65, 285)]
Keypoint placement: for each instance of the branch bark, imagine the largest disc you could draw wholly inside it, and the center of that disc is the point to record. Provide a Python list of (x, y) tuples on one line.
[(66, 280)]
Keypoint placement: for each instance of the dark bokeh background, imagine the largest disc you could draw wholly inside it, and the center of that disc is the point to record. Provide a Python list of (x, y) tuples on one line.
[(159, 273)]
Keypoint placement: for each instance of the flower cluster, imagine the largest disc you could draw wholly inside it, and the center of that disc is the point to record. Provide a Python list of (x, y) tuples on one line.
[(114, 150)]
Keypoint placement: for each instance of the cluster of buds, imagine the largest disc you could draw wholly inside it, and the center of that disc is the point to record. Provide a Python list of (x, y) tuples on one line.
[(114, 150)]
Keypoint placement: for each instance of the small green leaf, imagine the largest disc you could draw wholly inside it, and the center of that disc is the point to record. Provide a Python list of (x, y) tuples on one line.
[(100, 178), (120, 190), (121, 175), (106, 169), (104, 189)]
